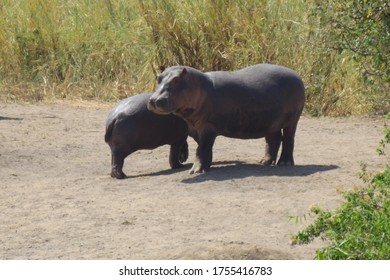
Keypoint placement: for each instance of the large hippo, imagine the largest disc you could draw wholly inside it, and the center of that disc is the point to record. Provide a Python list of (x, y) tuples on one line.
[(263, 100), (131, 126)]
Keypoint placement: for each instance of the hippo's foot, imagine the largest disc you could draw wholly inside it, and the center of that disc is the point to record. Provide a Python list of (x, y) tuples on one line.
[(118, 174), (267, 161), (198, 168), (282, 162)]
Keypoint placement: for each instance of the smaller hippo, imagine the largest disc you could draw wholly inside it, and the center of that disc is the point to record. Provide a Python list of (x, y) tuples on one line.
[(131, 127)]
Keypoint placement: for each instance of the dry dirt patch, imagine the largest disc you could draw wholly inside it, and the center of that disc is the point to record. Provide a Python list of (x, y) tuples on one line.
[(57, 200)]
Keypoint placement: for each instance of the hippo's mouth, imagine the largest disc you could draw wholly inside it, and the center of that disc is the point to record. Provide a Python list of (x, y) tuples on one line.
[(159, 107)]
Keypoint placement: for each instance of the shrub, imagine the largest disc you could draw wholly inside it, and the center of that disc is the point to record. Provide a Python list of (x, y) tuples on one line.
[(360, 30), (360, 227)]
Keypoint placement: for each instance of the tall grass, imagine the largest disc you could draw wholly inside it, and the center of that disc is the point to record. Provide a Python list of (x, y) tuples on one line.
[(88, 49), (109, 49), (226, 34)]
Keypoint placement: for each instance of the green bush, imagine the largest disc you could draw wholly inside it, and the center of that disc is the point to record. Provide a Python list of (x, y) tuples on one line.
[(361, 27), (360, 227), (360, 30)]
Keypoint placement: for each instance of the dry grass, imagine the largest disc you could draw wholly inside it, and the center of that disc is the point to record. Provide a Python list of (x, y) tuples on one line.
[(108, 49)]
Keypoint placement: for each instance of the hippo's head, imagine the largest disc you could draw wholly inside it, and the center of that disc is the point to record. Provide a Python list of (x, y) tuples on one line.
[(176, 91)]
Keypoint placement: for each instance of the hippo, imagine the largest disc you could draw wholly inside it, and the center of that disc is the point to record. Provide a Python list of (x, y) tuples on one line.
[(262, 100), (131, 127)]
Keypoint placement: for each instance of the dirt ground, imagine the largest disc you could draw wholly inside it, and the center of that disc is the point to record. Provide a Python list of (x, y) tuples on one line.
[(57, 200)]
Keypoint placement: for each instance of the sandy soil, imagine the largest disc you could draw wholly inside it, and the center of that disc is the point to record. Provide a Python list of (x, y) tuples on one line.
[(57, 200)]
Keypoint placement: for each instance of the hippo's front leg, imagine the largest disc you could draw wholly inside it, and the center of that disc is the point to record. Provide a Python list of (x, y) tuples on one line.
[(204, 153)]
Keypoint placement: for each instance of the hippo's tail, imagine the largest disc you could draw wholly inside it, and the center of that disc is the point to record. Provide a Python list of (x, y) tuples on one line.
[(109, 129)]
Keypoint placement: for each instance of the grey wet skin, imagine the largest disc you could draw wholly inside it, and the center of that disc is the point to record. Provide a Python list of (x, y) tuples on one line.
[(262, 100), (130, 127)]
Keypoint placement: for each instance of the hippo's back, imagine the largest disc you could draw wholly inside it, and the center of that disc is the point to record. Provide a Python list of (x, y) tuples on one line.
[(258, 80), (130, 121), (131, 105)]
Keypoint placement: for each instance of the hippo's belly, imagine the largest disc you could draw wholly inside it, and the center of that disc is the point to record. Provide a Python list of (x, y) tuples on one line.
[(250, 125)]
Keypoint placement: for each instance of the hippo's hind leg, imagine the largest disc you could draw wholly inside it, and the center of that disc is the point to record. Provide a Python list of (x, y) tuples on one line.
[(272, 144), (287, 158), (117, 161), (116, 167), (183, 152), (178, 154)]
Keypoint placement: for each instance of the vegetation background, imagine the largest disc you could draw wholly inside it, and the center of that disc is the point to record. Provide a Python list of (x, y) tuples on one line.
[(109, 49)]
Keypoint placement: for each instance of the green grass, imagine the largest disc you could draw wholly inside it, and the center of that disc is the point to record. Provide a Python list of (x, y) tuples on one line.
[(108, 49)]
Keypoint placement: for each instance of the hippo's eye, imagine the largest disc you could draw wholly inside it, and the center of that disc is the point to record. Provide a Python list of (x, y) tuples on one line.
[(175, 81), (159, 79)]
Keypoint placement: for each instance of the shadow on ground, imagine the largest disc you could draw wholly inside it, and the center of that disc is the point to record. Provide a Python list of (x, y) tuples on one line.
[(10, 119), (221, 171), (162, 172), (227, 170)]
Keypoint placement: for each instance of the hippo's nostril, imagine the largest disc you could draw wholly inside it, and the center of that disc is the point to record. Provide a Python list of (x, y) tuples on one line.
[(161, 102)]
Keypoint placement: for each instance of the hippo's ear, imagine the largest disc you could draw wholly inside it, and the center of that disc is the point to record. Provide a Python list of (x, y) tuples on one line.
[(183, 72), (162, 68)]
